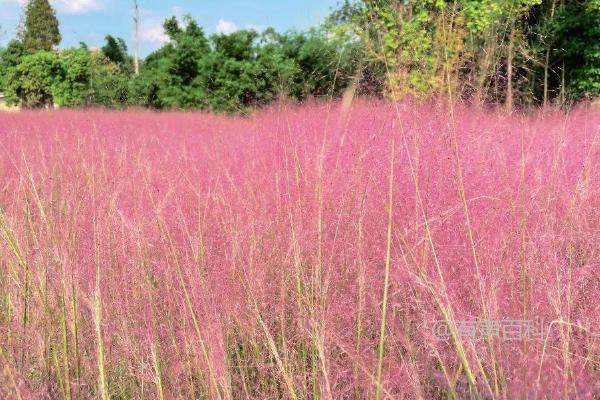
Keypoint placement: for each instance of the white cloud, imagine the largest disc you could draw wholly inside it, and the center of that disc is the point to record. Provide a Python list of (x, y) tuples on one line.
[(177, 11), (153, 34), (151, 29), (78, 6), (226, 27), (68, 6), (13, 1)]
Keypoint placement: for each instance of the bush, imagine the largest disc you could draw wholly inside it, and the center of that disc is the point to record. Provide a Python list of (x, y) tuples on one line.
[(35, 80)]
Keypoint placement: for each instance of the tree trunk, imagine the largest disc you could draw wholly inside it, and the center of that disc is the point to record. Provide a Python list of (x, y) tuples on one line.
[(547, 61), (509, 70), (562, 84), (484, 65)]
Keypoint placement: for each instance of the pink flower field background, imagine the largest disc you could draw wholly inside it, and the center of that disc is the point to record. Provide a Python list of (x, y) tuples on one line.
[(191, 256)]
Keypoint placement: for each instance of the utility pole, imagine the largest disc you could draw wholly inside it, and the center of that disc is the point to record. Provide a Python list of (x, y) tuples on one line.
[(136, 37)]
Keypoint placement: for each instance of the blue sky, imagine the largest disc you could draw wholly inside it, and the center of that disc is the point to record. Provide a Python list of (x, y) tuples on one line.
[(90, 20)]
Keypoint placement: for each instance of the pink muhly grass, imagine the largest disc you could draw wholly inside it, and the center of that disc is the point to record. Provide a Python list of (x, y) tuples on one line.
[(187, 255)]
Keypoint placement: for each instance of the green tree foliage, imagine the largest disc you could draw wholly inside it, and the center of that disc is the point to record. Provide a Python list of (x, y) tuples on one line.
[(238, 73), (235, 72), (115, 50), (495, 51), (319, 67), (73, 88), (516, 52), (345, 29), (33, 82), (400, 35), (575, 41), (40, 30), (109, 84), (10, 57), (170, 72), (189, 45), (74, 77)]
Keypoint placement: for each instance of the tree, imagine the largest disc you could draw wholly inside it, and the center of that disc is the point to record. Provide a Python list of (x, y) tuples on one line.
[(34, 81), (10, 57), (575, 35), (74, 87), (40, 30), (478, 50), (238, 74), (401, 36), (239, 71), (322, 70), (115, 49), (109, 88), (108, 82), (175, 66), (46, 78), (190, 45), (145, 90)]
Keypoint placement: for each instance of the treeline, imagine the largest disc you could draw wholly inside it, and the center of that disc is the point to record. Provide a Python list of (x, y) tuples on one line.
[(222, 73), (510, 52)]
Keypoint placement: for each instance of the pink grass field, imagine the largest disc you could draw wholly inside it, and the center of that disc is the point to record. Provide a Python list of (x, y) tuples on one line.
[(191, 256)]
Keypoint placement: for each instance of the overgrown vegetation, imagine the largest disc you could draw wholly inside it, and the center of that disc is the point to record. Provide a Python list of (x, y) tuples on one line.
[(510, 52)]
